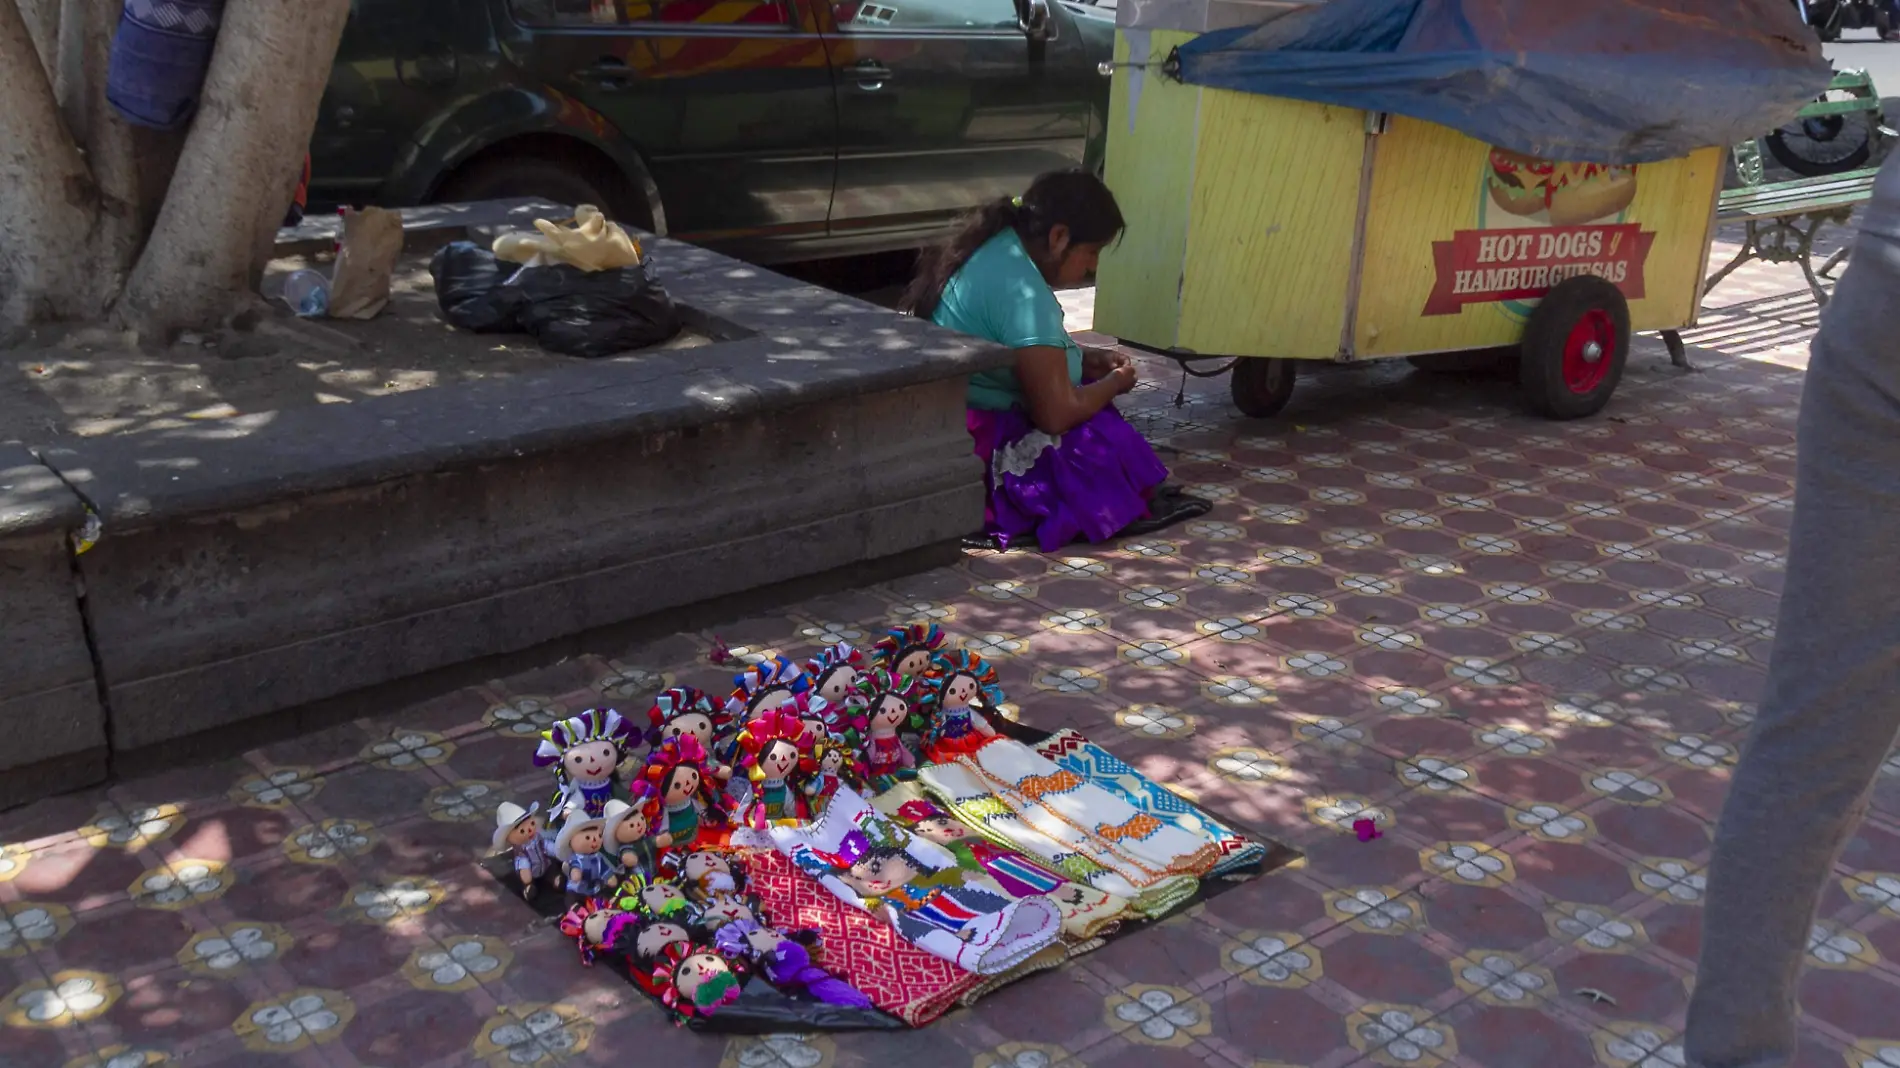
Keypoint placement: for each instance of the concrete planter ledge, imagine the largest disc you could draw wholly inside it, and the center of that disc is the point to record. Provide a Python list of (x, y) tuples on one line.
[(49, 698), (262, 563)]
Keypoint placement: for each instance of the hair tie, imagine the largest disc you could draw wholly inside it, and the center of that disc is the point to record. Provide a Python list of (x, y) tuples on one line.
[(1015, 202)]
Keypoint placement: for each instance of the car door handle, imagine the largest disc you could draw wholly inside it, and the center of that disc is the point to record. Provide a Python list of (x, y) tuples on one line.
[(608, 72), (871, 74)]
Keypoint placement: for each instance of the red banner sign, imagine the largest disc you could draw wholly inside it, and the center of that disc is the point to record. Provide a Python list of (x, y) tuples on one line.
[(1486, 266)]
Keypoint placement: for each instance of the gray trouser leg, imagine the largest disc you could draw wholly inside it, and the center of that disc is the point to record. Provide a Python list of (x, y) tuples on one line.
[(1832, 706)]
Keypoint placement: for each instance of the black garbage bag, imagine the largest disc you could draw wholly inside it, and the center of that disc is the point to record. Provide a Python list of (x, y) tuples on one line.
[(468, 282), (594, 313)]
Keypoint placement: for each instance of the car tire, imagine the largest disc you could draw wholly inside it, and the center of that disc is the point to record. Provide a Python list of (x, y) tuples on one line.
[(559, 182)]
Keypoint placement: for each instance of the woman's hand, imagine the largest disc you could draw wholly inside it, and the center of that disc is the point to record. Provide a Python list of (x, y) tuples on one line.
[(1124, 377), (1100, 363)]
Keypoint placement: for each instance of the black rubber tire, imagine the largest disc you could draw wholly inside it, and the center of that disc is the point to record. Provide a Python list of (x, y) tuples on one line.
[(1541, 370), (1470, 361), (1853, 161), (554, 180), (1261, 386)]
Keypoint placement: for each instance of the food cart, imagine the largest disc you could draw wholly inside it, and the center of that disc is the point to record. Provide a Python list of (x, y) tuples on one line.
[(1365, 179)]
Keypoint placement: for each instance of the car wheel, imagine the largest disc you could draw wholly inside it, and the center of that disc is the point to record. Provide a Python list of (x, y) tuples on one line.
[(561, 183)]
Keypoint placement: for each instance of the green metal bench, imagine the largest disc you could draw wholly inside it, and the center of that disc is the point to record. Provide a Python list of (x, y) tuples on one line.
[(1782, 219)]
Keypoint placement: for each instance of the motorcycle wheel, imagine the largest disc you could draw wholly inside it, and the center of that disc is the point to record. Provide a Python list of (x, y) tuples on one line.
[(1794, 145)]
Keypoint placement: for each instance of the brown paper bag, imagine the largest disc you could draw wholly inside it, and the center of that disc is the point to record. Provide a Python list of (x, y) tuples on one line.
[(372, 239)]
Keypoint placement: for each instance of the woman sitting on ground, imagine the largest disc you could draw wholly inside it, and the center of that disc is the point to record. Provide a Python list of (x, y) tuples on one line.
[(1063, 464)]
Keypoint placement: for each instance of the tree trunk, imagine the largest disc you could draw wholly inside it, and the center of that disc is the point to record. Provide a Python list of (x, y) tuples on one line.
[(42, 23), (240, 164), (48, 201), (131, 165)]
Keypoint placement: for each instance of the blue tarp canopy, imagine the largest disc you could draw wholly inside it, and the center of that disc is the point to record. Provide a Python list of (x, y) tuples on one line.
[(1595, 81)]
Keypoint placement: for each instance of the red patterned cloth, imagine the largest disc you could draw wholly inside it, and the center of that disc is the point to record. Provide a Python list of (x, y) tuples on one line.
[(915, 986)]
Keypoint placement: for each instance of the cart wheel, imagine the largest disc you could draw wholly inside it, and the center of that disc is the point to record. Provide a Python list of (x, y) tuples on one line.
[(1574, 348), (1261, 386)]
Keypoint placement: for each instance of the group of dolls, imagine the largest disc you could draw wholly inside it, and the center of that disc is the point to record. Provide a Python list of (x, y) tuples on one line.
[(648, 845)]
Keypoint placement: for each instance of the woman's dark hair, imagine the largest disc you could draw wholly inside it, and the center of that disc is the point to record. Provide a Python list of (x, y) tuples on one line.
[(1075, 199)]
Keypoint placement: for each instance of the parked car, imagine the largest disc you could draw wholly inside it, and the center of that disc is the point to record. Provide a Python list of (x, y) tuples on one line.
[(772, 130)]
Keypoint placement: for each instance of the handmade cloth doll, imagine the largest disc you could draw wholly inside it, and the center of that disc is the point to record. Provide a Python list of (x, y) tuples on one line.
[(765, 686), (581, 849), (834, 763), (956, 685), (774, 749), (521, 832), (658, 899), (584, 751), (687, 710), (1086, 911), (674, 780), (868, 861), (597, 928), (726, 908), (887, 703), (628, 830), (647, 943), (696, 981), (704, 874), (908, 650), (785, 962), (834, 673)]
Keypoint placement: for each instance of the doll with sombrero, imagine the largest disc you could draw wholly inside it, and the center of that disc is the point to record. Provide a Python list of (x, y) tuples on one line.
[(908, 650), (629, 833), (958, 689), (584, 751), (689, 710), (887, 704), (774, 750), (675, 784), (522, 833), (581, 847)]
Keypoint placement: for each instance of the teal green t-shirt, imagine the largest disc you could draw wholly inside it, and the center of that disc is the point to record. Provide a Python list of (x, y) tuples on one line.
[(999, 295)]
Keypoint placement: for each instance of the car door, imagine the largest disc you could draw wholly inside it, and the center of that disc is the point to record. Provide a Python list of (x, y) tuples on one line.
[(729, 102), (396, 65), (944, 104)]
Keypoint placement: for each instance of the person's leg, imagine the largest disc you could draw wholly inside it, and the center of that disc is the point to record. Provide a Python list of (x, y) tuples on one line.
[(1832, 704)]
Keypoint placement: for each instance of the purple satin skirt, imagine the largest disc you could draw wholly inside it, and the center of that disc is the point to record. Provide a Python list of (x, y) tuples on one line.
[(1086, 484)]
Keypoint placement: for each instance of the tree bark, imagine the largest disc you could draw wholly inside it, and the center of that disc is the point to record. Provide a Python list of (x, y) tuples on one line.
[(48, 201), (131, 165), (240, 164), (42, 23)]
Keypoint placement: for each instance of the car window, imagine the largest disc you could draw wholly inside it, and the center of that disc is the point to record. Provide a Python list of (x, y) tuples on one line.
[(906, 16), (635, 13)]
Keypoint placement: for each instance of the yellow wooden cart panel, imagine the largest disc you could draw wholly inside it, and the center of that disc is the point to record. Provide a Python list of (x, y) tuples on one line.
[(1234, 243), (1430, 202), (1244, 211)]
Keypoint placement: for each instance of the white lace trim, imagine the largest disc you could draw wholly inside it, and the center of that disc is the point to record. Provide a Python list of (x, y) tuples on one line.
[(1019, 456)]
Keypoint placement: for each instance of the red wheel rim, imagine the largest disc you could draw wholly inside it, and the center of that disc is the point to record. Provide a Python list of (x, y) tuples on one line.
[(1589, 350)]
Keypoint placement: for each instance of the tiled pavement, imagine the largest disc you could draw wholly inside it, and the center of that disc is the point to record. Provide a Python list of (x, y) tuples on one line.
[(1527, 648)]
